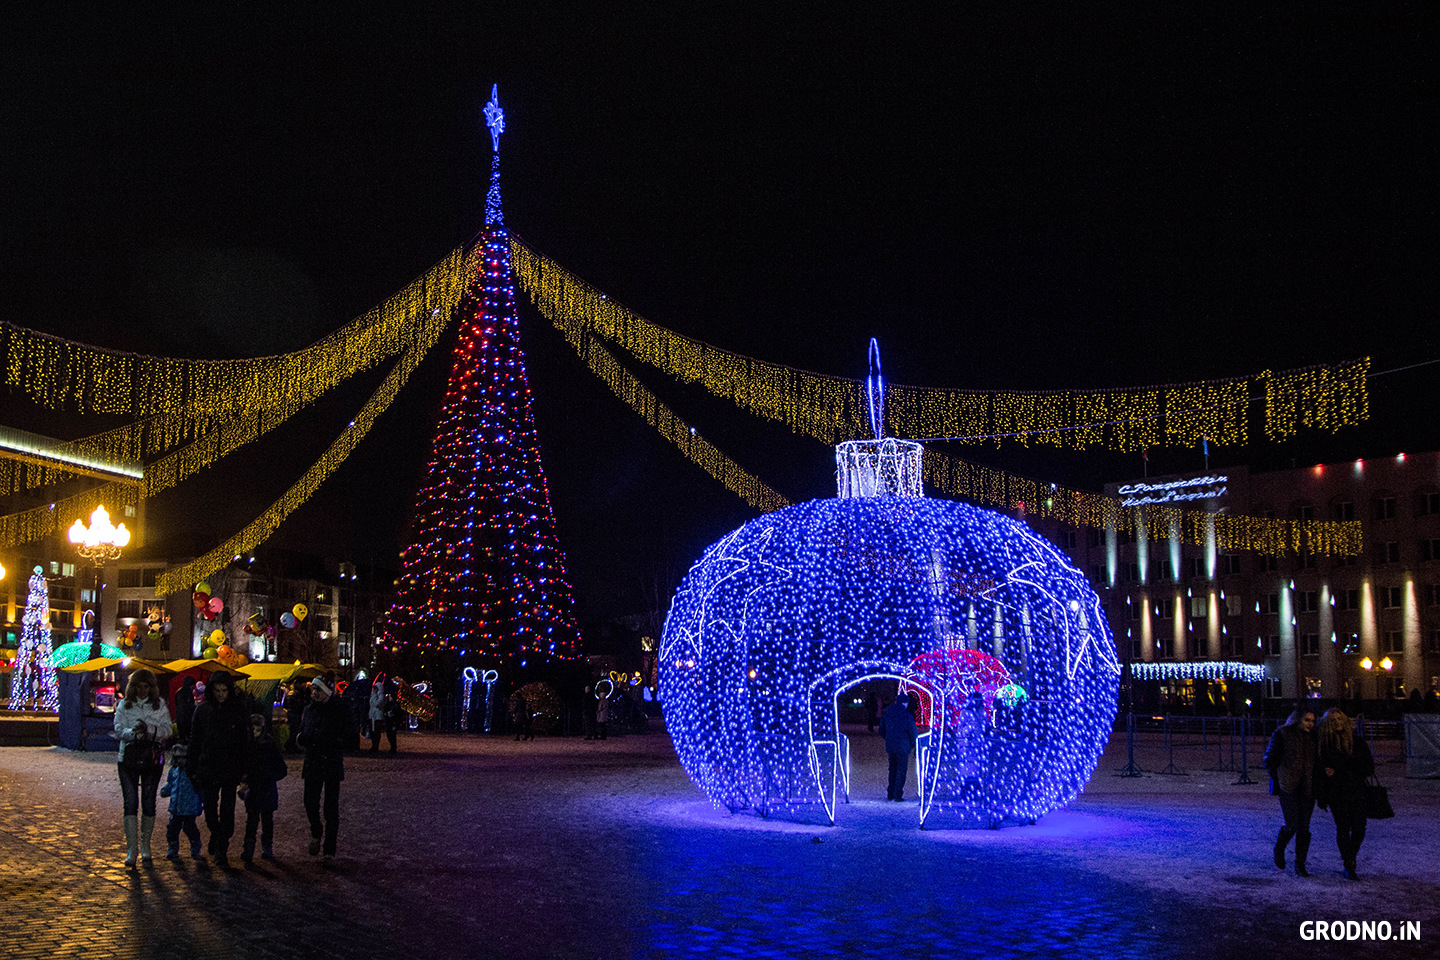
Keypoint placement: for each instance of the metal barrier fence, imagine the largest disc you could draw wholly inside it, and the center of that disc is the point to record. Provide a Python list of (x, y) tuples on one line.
[(1228, 744)]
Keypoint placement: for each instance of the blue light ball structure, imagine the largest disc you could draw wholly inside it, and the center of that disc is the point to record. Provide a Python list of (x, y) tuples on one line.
[(781, 616)]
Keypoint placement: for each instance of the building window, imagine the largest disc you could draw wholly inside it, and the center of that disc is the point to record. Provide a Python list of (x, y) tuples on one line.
[(148, 576), (1345, 510), (1347, 599), (1199, 607), (1234, 606), (1304, 513), (1429, 504), (1388, 552), (1430, 549), (1269, 603), (322, 621), (1132, 572), (1268, 561), (1432, 595), (1067, 539), (1394, 641), (1384, 508), (1305, 560), (1307, 601), (1132, 610), (1272, 646), (1097, 574), (1272, 689), (1165, 609), (323, 595), (1432, 643), (1096, 538), (1390, 597), (1310, 644), (129, 576), (1227, 564), (128, 608), (1135, 650)]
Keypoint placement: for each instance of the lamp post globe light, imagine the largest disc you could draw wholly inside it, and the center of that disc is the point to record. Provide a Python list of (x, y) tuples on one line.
[(102, 540), (98, 542)]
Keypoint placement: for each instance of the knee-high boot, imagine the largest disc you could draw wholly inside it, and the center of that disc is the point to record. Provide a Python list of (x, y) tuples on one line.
[(1302, 850), (132, 834), (147, 827), (1280, 843)]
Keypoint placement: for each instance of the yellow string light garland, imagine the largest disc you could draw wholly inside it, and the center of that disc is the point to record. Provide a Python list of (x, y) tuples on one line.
[(260, 529), (399, 322), (833, 409), (63, 374), (696, 448)]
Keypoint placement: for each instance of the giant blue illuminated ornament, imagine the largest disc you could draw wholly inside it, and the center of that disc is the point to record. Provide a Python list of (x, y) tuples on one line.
[(1002, 638)]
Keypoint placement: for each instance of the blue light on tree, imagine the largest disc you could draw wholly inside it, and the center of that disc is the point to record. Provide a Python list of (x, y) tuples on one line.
[(1000, 635)]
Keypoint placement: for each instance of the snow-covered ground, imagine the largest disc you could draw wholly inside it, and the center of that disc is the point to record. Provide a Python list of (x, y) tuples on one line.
[(470, 846)]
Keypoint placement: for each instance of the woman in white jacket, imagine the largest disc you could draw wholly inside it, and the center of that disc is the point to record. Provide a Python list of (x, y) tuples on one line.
[(142, 725)]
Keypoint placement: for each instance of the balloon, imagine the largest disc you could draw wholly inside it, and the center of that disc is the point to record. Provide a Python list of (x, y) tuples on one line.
[(215, 606), (208, 653), (217, 637), (300, 610), (257, 620), (167, 628), (287, 620), (203, 587), (132, 631), (199, 599), (241, 660), (224, 651)]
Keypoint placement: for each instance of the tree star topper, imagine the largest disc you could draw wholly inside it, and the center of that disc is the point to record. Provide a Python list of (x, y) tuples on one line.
[(495, 117)]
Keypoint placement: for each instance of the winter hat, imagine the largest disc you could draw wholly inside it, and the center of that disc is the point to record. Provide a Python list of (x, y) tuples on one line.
[(319, 684)]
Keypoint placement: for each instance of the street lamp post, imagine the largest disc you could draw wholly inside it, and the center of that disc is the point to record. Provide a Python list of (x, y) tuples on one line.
[(98, 542)]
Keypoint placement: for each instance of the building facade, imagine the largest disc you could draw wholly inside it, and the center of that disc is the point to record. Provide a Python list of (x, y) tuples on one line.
[(1364, 627)]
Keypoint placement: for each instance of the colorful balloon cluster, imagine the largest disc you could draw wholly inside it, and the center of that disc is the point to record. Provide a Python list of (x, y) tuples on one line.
[(206, 606), (217, 648)]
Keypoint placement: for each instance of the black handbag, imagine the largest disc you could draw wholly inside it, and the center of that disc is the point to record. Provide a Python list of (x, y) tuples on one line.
[(1377, 801), (143, 756)]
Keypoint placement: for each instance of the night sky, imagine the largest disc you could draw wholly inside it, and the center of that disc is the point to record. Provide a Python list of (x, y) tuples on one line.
[(1071, 199)]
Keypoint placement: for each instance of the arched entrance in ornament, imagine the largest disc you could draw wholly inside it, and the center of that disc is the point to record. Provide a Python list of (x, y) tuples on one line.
[(830, 748)]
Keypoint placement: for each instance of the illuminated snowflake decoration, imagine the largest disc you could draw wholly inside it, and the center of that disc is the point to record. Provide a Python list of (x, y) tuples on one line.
[(1003, 638)]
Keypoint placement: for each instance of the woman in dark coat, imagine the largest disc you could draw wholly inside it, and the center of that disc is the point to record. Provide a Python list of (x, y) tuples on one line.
[(219, 755), (1290, 758), (185, 709), (324, 731), (1343, 766)]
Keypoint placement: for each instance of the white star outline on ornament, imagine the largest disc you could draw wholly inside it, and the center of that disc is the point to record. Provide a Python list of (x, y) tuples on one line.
[(726, 552), (1106, 657)]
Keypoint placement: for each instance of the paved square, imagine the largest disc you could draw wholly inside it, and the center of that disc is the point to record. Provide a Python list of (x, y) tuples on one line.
[(484, 847)]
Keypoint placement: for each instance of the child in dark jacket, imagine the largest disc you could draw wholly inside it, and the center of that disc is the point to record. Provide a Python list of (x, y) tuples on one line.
[(185, 806), (262, 798)]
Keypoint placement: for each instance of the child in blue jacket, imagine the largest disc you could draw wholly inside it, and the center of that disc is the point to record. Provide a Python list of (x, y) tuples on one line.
[(185, 806)]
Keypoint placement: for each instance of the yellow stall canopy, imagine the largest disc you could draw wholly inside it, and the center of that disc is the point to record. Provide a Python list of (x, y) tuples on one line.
[(130, 663), (281, 671)]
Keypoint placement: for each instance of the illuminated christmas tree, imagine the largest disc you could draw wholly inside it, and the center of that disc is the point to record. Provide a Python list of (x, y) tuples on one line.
[(484, 572), (32, 684)]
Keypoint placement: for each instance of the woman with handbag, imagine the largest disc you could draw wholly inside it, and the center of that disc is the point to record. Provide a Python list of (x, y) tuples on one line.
[(1343, 764), (142, 725)]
